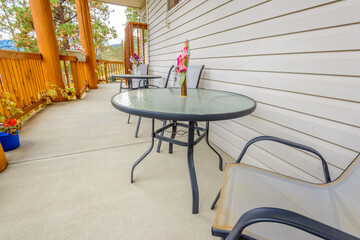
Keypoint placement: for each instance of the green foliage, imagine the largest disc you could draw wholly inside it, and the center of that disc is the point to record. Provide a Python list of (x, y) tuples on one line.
[(50, 94), (114, 53), (68, 92), (132, 14), (8, 103), (16, 22)]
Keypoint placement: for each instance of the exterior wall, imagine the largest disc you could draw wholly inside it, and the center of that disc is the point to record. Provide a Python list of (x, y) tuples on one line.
[(298, 59)]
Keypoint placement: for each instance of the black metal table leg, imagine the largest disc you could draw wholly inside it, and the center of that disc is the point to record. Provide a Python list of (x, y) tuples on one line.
[(208, 143), (192, 173), (137, 127), (173, 134), (146, 153)]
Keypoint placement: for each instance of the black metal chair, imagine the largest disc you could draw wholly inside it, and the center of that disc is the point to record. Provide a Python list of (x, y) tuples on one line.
[(192, 80), (151, 85), (136, 83), (318, 209), (289, 218), (193, 77)]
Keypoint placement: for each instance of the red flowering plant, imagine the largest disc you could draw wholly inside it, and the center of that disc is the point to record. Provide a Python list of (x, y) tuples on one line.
[(183, 63), (10, 126), (8, 105)]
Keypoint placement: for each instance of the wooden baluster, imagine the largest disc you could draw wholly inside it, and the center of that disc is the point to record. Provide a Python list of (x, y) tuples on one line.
[(66, 74)]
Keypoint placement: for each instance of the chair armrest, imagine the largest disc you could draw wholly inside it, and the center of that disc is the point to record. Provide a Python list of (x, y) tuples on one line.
[(282, 216), (289, 143)]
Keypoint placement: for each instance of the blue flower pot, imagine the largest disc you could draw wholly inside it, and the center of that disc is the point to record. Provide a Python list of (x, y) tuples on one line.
[(8, 141)]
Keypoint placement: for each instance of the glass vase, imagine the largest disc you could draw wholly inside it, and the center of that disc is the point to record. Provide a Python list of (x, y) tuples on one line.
[(184, 89)]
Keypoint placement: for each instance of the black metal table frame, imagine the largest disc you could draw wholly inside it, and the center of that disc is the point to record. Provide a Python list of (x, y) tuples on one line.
[(190, 151)]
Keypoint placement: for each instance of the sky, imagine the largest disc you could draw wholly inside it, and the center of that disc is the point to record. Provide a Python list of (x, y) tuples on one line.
[(117, 20)]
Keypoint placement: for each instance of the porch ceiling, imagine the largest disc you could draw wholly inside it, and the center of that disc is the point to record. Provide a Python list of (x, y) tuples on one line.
[(125, 3)]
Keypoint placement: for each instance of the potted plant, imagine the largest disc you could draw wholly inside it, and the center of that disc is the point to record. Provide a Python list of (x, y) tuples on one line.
[(9, 127), (9, 134)]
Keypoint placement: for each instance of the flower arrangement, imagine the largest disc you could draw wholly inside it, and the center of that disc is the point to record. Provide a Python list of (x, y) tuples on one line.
[(136, 60), (183, 63), (10, 126)]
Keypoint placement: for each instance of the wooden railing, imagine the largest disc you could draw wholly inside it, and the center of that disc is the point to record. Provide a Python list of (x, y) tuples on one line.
[(22, 74), (76, 74), (108, 68)]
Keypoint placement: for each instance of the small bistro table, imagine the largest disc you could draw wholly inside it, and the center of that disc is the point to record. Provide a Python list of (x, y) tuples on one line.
[(144, 77), (199, 105)]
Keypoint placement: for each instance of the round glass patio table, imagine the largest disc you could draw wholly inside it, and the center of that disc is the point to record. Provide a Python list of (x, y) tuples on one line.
[(129, 77), (199, 105)]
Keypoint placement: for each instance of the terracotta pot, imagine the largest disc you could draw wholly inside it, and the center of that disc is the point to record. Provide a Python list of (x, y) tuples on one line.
[(3, 161)]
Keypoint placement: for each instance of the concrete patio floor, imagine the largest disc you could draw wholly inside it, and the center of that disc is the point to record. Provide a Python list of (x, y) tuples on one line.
[(70, 178)]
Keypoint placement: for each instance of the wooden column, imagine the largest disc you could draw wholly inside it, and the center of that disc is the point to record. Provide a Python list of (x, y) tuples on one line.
[(46, 39), (86, 38)]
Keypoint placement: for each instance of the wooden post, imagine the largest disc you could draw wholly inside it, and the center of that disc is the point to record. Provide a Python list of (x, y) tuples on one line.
[(106, 73), (3, 161), (86, 38), (46, 39)]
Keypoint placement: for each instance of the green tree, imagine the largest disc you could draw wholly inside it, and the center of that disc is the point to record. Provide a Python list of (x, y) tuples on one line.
[(114, 53), (16, 23), (132, 14)]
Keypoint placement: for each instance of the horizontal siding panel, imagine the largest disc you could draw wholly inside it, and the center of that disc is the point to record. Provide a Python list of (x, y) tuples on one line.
[(333, 39), (191, 17), (158, 30), (325, 86), (334, 63), (346, 112), (158, 16), (267, 158), (270, 11), (298, 59)]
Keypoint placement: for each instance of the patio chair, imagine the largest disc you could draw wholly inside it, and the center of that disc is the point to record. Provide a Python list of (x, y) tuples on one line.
[(150, 85), (193, 76), (329, 211), (136, 83), (193, 79)]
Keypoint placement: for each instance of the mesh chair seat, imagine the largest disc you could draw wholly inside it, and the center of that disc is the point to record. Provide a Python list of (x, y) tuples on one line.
[(246, 187)]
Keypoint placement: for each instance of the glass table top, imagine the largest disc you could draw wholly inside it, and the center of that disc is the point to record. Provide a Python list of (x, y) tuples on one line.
[(199, 105)]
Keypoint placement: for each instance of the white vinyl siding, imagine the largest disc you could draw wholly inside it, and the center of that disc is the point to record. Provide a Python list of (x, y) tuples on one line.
[(300, 60)]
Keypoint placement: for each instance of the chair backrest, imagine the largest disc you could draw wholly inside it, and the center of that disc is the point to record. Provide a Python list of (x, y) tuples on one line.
[(143, 71), (168, 76), (193, 75), (143, 68)]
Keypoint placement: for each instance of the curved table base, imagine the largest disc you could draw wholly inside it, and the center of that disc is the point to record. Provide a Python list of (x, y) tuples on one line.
[(158, 134)]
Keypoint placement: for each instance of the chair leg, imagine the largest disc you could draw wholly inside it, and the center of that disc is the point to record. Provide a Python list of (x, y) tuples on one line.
[(173, 134), (162, 134), (208, 143), (129, 119), (197, 131), (215, 200), (137, 127)]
